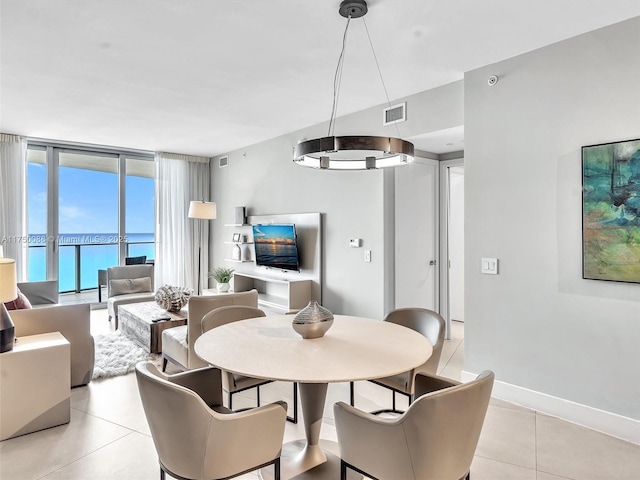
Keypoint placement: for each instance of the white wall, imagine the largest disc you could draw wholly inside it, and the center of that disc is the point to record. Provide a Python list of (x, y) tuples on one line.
[(456, 243), (264, 178), (538, 324)]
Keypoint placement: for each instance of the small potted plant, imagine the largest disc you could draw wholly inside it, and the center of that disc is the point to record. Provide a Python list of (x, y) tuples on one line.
[(223, 277)]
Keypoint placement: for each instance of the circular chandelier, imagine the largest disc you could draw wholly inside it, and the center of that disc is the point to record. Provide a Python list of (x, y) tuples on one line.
[(356, 152)]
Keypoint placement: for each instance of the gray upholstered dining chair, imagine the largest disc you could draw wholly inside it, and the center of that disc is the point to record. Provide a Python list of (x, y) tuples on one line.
[(431, 325), (197, 438), (435, 439), (231, 382), (177, 342)]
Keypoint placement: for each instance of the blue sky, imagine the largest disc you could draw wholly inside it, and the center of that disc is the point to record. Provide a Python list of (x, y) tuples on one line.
[(88, 201)]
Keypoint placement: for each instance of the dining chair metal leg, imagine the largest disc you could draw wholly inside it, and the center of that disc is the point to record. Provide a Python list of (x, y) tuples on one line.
[(276, 469), (343, 468), (258, 394), (161, 474), (164, 364), (230, 401), (294, 418), (352, 394)]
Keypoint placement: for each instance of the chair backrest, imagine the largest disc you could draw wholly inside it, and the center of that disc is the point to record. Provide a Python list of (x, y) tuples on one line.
[(178, 419), (199, 306), (223, 315), (129, 272), (428, 323), (141, 260), (40, 293), (442, 428)]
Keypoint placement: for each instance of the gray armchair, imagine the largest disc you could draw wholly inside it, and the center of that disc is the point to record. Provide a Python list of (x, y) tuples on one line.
[(128, 284), (72, 321), (431, 325), (435, 439), (40, 293), (196, 437)]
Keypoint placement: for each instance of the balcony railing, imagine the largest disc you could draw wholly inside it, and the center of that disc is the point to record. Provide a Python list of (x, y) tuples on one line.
[(78, 264)]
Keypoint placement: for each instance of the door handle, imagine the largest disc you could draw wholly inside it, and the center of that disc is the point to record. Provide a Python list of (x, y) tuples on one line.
[(432, 262)]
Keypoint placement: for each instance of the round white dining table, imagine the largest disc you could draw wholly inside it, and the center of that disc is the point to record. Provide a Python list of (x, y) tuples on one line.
[(354, 348)]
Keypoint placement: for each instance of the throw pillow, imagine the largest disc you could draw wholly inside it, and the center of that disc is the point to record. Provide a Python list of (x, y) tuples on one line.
[(125, 286), (19, 303)]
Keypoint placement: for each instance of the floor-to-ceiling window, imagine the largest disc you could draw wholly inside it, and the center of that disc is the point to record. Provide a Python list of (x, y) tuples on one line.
[(88, 209), (140, 208)]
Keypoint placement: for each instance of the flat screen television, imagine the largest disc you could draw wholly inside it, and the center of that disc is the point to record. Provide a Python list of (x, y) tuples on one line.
[(276, 246)]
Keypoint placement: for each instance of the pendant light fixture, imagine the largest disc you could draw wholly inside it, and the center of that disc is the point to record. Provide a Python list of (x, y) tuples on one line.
[(352, 152)]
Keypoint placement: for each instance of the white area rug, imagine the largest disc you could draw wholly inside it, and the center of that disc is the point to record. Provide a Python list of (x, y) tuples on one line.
[(116, 355)]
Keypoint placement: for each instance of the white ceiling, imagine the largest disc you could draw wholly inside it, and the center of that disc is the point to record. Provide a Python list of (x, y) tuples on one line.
[(205, 77)]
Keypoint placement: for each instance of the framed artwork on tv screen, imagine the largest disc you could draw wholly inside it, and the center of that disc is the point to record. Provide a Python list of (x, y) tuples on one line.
[(611, 211)]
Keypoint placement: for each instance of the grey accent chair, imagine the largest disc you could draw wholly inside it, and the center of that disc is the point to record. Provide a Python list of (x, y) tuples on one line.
[(231, 382), (435, 439), (73, 322), (197, 438), (128, 284), (431, 325), (177, 342), (40, 293)]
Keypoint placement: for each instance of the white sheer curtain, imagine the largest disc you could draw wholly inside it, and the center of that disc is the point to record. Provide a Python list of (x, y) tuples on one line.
[(13, 190), (180, 179)]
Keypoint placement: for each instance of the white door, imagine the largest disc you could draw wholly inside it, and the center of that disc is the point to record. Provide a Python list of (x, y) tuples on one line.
[(416, 235)]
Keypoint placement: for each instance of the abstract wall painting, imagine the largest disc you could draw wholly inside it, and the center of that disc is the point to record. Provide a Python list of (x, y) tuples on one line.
[(611, 211)]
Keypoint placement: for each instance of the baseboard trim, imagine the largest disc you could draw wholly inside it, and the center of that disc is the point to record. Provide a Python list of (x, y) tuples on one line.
[(612, 424)]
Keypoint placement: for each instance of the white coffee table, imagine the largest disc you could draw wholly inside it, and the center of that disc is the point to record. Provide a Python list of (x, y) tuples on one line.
[(353, 349)]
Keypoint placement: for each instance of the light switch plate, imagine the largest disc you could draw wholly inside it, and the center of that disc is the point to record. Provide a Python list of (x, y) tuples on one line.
[(367, 255), (489, 266)]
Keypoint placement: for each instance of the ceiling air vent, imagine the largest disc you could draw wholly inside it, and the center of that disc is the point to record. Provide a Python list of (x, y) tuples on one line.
[(223, 161), (394, 114)]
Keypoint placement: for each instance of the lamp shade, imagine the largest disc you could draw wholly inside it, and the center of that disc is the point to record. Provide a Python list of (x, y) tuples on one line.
[(8, 286), (202, 210)]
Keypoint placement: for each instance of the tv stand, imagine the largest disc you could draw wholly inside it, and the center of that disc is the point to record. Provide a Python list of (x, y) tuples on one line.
[(279, 294)]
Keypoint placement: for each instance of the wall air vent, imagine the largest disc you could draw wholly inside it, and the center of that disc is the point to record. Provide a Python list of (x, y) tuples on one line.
[(394, 114), (223, 161)]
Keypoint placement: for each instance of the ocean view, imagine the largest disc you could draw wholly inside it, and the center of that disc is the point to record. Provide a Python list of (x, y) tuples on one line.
[(98, 251)]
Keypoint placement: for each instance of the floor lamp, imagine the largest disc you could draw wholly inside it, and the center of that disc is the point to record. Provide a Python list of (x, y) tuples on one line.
[(201, 210)]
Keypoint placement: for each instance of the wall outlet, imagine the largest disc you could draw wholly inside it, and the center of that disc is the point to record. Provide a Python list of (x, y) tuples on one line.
[(367, 255)]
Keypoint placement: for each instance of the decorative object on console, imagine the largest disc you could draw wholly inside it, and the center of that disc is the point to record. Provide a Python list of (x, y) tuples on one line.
[(223, 276), (241, 218), (201, 211), (611, 211), (236, 253), (360, 152), (245, 254), (313, 321), (172, 298), (8, 292)]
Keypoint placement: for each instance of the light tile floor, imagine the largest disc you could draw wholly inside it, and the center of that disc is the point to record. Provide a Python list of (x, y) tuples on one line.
[(108, 436)]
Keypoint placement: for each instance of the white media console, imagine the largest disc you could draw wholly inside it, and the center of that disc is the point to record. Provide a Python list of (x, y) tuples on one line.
[(285, 291)]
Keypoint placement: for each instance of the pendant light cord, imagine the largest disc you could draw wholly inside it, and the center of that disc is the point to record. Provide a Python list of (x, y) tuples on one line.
[(337, 80), (384, 87)]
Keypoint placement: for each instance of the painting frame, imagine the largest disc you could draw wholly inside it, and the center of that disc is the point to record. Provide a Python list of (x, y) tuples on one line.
[(611, 211)]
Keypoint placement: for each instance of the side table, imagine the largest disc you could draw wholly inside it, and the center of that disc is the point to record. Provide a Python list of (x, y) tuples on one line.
[(36, 385)]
